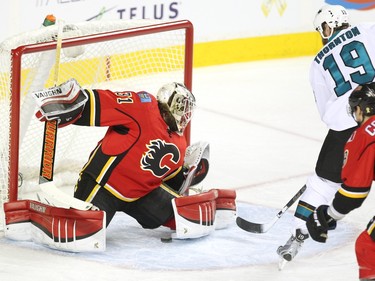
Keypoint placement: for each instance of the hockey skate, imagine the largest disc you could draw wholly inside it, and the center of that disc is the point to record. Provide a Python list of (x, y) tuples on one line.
[(291, 248)]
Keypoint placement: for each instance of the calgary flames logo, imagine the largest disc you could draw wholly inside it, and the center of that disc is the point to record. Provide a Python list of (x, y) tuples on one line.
[(159, 157)]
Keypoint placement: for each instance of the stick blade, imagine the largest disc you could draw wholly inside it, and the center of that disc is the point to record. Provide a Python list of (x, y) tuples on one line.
[(264, 227), (250, 226), (61, 199)]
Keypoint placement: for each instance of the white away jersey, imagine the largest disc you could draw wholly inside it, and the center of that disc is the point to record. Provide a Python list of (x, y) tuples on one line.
[(346, 61)]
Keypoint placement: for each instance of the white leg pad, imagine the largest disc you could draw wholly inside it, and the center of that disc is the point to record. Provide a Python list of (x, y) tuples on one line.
[(194, 215), (58, 228), (225, 208)]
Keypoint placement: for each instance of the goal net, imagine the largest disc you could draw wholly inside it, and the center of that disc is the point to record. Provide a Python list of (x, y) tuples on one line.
[(117, 55)]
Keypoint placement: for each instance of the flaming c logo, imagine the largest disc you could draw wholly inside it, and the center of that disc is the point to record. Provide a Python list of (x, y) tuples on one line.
[(159, 156)]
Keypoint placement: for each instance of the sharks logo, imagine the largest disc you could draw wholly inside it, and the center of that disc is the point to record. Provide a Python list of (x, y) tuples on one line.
[(159, 157)]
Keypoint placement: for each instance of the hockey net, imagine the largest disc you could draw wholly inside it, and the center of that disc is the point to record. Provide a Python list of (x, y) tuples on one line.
[(118, 55)]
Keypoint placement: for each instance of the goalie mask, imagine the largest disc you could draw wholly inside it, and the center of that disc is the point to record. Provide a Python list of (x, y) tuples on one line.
[(180, 102), (334, 16)]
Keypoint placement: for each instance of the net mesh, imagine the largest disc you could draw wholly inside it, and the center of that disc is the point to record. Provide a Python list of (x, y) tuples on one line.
[(136, 62)]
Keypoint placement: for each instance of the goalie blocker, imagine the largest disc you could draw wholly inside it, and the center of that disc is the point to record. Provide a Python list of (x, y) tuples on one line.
[(58, 228)]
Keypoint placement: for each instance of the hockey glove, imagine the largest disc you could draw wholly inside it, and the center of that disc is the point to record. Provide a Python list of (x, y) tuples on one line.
[(64, 103), (318, 224)]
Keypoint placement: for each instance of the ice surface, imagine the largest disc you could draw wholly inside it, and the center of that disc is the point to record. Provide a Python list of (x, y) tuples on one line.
[(265, 135)]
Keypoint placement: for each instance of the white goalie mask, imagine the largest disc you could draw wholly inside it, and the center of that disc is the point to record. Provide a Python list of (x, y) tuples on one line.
[(333, 15), (180, 101)]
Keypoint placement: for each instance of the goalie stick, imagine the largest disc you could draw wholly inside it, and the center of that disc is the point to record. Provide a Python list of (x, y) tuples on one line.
[(64, 223), (46, 184), (264, 227)]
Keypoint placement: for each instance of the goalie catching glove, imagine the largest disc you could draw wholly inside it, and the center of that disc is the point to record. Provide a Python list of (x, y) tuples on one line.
[(64, 103), (196, 162)]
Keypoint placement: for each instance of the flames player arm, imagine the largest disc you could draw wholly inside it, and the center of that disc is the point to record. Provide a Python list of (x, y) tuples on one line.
[(347, 199), (107, 108), (91, 113)]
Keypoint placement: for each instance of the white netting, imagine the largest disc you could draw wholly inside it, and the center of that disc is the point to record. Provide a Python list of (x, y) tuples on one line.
[(139, 62)]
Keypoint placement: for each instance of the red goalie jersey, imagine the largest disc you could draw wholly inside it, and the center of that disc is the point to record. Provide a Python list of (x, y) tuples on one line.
[(138, 151)]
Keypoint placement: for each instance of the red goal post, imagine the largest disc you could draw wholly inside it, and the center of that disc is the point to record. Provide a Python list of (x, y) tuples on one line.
[(134, 55)]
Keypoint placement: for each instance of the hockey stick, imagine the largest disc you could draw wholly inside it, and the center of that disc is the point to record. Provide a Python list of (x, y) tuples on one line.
[(264, 227), (49, 150)]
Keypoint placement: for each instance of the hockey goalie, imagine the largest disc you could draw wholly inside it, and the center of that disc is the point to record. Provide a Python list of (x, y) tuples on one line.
[(142, 166)]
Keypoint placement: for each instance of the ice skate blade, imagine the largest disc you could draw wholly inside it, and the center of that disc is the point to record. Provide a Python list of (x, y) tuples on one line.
[(282, 263)]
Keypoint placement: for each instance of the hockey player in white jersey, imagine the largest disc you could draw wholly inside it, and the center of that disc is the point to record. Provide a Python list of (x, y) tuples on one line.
[(346, 60)]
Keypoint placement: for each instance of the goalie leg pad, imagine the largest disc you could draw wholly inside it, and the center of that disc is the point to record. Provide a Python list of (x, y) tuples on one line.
[(225, 208), (58, 228), (194, 215)]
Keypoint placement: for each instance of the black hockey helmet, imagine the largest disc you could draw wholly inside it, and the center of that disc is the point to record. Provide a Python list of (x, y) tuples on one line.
[(364, 97)]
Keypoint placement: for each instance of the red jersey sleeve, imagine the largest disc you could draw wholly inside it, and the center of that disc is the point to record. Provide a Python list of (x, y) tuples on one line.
[(107, 108)]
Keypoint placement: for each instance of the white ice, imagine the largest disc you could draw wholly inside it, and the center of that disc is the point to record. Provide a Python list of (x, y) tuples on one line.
[(265, 134)]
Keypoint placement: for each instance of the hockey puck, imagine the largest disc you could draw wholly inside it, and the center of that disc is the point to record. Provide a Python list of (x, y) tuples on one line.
[(166, 240)]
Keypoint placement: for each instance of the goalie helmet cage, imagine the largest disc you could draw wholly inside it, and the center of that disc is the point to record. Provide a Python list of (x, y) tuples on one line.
[(117, 55)]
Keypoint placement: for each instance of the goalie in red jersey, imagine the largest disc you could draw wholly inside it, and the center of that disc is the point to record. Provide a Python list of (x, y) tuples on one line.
[(142, 166), (357, 174)]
